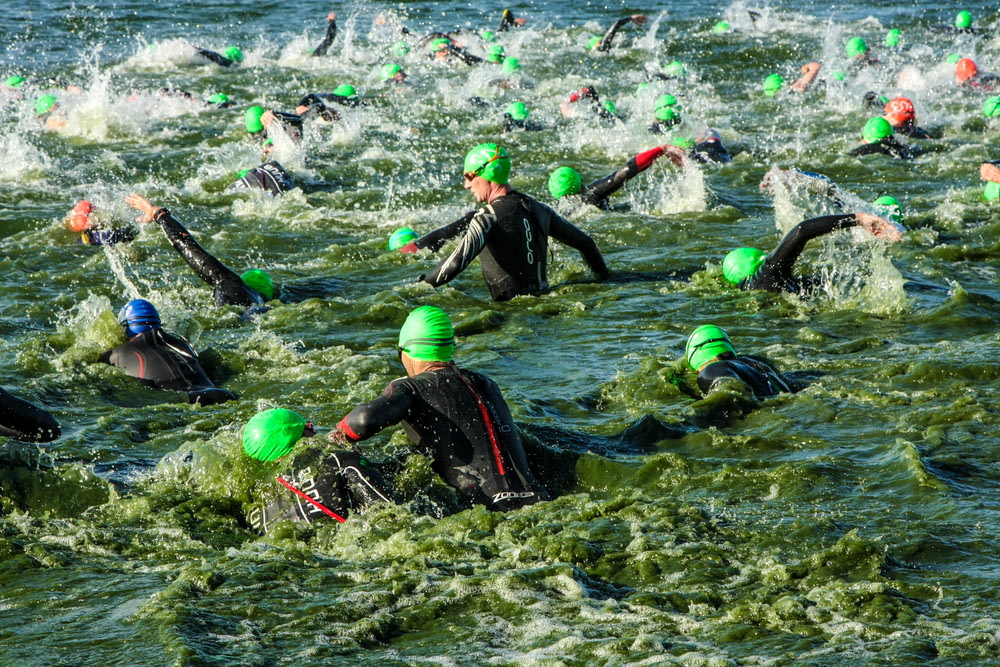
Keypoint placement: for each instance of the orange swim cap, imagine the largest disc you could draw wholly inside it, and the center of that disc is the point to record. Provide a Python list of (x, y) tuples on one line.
[(79, 217), (965, 69)]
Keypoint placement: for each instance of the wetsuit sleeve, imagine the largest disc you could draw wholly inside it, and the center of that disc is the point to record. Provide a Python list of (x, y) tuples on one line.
[(468, 249), (331, 34), (390, 408), (437, 238), (595, 193), (784, 256), (24, 421), (565, 232), (208, 268), (506, 20), (605, 43), (465, 56), (215, 57)]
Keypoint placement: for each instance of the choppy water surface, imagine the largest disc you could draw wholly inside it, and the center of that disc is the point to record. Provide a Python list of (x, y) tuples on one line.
[(853, 522)]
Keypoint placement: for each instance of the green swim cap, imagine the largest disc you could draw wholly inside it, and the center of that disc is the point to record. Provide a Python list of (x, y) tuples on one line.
[(609, 106), (991, 106), (518, 110), (706, 343), (345, 90), (992, 191), (44, 104), (686, 143), (496, 54), (511, 65), (892, 37), (593, 42), (876, 129), (427, 335), (271, 434), (260, 281), (963, 20), (675, 68), (251, 119), (488, 35), (772, 84), (440, 44), (564, 181), (838, 75), (14, 81), (953, 58), (234, 54), (218, 98), (400, 49), (720, 27), (893, 209), (742, 263), (389, 70), (855, 47), (401, 237), (489, 161), (667, 115)]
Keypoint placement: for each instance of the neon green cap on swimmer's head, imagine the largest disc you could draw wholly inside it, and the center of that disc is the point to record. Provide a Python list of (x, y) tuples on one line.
[(706, 343), (427, 335), (666, 115), (14, 81), (855, 47), (720, 28), (892, 37), (992, 191), (389, 70), (234, 54), (271, 434), (489, 161), (686, 143), (440, 44), (401, 237), (488, 35), (953, 58), (496, 54), (345, 90), (876, 129), (675, 69), (963, 20), (892, 208), (991, 107), (511, 65), (260, 281), (564, 181), (218, 98), (742, 263), (593, 42), (251, 119), (609, 106), (400, 49), (517, 110), (772, 84), (44, 104)]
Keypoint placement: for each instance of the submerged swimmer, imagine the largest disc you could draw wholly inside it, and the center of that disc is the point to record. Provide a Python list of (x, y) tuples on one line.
[(713, 357), (22, 420)]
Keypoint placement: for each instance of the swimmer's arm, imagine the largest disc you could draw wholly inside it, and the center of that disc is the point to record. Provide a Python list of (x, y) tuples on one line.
[(331, 34), (367, 419)]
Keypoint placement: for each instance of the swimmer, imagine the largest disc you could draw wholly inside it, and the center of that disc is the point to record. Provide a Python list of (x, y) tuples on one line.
[(712, 356), (588, 98), (232, 55), (270, 176), (85, 221), (968, 75), (24, 421), (902, 115), (331, 34), (603, 44), (879, 137)]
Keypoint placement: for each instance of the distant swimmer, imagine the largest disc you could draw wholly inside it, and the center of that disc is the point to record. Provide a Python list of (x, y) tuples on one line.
[(22, 420), (331, 34), (509, 233), (232, 55), (587, 101), (753, 269), (93, 229), (251, 289), (270, 176), (879, 137), (990, 172), (160, 359), (605, 43), (711, 354), (968, 75)]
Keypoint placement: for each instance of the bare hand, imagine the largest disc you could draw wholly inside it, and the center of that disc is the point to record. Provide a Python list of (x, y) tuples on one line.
[(332, 16), (267, 118), (639, 19), (675, 154), (879, 227), (145, 207), (989, 172)]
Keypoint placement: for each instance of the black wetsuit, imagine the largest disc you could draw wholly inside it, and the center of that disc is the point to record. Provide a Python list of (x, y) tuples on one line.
[(775, 274), (166, 362), (511, 233), (761, 378), (335, 481), (597, 192), (107, 236), (460, 419), (270, 176), (227, 286), (21, 420), (216, 58), (331, 34), (888, 146), (609, 36)]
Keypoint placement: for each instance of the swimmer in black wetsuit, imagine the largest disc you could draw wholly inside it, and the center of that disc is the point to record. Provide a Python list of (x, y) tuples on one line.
[(457, 417), (331, 34), (588, 98), (270, 176), (511, 231), (604, 43), (21, 420), (879, 137), (565, 182), (81, 220), (750, 268), (250, 289), (229, 57), (711, 354), (160, 359)]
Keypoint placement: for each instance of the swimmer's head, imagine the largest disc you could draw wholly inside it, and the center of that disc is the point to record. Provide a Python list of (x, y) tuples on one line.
[(218, 98), (259, 281), (390, 71), (876, 129), (965, 69), (891, 208), (899, 111), (79, 217), (427, 335), (345, 90), (705, 344), (740, 264), (772, 84), (400, 49), (963, 20), (271, 434), (855, 47), (564, 181), (991, 107), (440, 44), (953, 58), (488, 36), (892, 37), (517, 111), (233, 53), (489, 161), (665, 109), (401, 237), (138, 316), (45, 104), (609, 106), (511, 65), (721, 27), (593, 42), (14, 81), (252, 119), (496, 54), (675, 70)]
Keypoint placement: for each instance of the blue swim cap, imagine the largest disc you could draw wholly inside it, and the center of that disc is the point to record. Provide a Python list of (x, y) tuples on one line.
[(138, 316)]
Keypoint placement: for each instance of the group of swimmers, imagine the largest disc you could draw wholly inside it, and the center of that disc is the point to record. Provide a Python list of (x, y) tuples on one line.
[(456, 416)]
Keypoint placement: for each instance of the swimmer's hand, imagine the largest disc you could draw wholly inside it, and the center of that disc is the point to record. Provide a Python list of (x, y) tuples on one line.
[(675, 154), (145, 207), (880, 227), (989, 172), (639, 19), (410, 248)]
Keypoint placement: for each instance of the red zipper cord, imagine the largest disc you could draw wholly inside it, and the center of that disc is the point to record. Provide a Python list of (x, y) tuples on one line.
[(313, 501), (489, 425)]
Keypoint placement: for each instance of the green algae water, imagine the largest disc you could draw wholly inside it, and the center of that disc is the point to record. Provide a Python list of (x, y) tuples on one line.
[(851, 522)]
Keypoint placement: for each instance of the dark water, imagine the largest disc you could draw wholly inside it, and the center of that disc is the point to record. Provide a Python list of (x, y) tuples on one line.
[(852, 522)]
